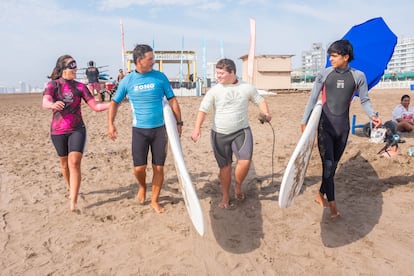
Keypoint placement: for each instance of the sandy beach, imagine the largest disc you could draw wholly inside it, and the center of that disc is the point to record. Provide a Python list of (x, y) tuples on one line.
[(114, 235)]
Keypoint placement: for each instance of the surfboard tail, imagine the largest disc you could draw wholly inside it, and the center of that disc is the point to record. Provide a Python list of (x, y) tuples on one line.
[(191, 200)]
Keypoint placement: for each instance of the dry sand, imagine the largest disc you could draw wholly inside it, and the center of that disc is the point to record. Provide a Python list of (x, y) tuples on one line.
[(114, 235)]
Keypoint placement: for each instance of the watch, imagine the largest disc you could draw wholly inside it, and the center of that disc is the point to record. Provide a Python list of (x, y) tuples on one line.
[(180, 123)]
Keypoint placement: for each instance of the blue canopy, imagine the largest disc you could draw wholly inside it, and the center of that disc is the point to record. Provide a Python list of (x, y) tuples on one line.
[(373, 44)]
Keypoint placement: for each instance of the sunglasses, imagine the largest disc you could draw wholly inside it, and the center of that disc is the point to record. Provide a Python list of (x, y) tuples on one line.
[(71, 65)]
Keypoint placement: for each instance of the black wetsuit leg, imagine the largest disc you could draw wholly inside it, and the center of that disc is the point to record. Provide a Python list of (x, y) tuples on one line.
[(332, 139)]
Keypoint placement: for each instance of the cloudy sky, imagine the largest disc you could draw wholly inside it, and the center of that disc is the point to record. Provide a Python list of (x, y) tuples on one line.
[(35, 33)]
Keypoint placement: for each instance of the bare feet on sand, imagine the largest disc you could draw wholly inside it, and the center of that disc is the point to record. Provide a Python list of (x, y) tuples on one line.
[(157, 208), (321, 200), (224, 205), (334, 211), (74, 209), (141, 196), (240, 196), (238, 193)]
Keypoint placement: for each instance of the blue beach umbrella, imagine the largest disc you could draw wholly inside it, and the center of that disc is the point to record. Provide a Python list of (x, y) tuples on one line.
[(373, 43)]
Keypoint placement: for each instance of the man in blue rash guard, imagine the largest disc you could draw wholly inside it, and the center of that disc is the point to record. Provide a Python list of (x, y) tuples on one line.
[(146, 89), (338, 85)]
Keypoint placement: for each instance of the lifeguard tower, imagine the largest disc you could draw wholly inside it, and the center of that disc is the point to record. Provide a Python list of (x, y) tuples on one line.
[(185, 84)]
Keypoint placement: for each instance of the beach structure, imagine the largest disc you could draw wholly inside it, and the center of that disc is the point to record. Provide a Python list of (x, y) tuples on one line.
[(186, 82), (270, 72)]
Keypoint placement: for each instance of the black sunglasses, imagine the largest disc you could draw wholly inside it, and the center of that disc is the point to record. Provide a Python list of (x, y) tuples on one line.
[(71, 65)]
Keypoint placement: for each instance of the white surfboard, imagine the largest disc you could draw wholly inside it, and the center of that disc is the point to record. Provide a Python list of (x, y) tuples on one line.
[(190, 197), (298, 163)]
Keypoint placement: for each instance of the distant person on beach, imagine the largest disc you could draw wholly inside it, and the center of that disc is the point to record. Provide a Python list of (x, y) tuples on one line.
[(338, 85), (92, 73), (230, 131), (64, 95), (120, 75), (146, 89), (403, 115)]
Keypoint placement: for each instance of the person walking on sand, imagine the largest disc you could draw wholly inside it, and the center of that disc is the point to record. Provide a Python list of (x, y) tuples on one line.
[(230, 131), (338, 85), (63, 95), (92, 73), (146, 89)]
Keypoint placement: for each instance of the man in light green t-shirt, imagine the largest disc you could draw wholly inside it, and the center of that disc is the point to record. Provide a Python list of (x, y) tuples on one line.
[(230, 131)]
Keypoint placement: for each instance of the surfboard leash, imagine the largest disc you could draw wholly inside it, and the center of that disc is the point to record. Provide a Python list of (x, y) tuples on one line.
[(262, 120)]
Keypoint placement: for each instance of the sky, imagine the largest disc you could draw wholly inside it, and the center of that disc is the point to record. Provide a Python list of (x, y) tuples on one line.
[(35, 33)]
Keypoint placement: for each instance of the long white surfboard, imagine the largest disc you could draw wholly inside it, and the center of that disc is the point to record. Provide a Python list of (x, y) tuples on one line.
[(190, 197), (298, 163)]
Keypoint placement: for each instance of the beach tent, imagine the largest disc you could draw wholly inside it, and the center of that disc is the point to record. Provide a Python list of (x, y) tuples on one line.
[(373, 43)]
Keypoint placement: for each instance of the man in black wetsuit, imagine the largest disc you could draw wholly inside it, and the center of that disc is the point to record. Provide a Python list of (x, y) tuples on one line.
[(338, 85)]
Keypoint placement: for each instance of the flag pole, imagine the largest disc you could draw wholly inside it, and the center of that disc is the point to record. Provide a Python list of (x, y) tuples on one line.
[(181, 60), (251, 57), (122, 45), (221, 49)]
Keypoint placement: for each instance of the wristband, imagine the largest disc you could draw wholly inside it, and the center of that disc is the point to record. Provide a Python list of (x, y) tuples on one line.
[(180, 123)]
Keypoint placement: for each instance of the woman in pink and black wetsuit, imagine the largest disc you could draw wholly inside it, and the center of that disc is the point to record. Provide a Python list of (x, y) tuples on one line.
[(63, 94), (338, 85)]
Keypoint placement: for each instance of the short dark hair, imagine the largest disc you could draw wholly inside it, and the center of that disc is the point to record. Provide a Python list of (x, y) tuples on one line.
[(404, 96), (140, 50), (226, 64), (342, 47)]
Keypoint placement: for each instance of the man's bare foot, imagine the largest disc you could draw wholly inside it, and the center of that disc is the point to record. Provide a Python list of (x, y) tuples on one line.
[(238, 192), (321, 200), (224, 205), (157, 208), (241, 196), (74, 209), (334, 211), (141, 196)]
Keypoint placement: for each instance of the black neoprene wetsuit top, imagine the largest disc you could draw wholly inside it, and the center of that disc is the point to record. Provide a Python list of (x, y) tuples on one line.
[(338, 87)]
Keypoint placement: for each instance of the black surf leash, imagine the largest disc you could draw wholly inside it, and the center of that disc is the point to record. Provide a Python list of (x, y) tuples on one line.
[(262, 120)]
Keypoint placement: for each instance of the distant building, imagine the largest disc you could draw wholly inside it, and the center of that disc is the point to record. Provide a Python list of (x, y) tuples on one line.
[(271, 72), (400, 67), (211, 73), (24, 87), (402, 60), (313, 60)]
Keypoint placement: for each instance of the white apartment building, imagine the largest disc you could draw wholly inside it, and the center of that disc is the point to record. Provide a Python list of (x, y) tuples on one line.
[(402, 60), (313, 60)]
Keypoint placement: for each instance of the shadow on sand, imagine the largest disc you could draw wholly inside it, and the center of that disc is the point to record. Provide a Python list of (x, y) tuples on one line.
[(359, 197), (238, 229)]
